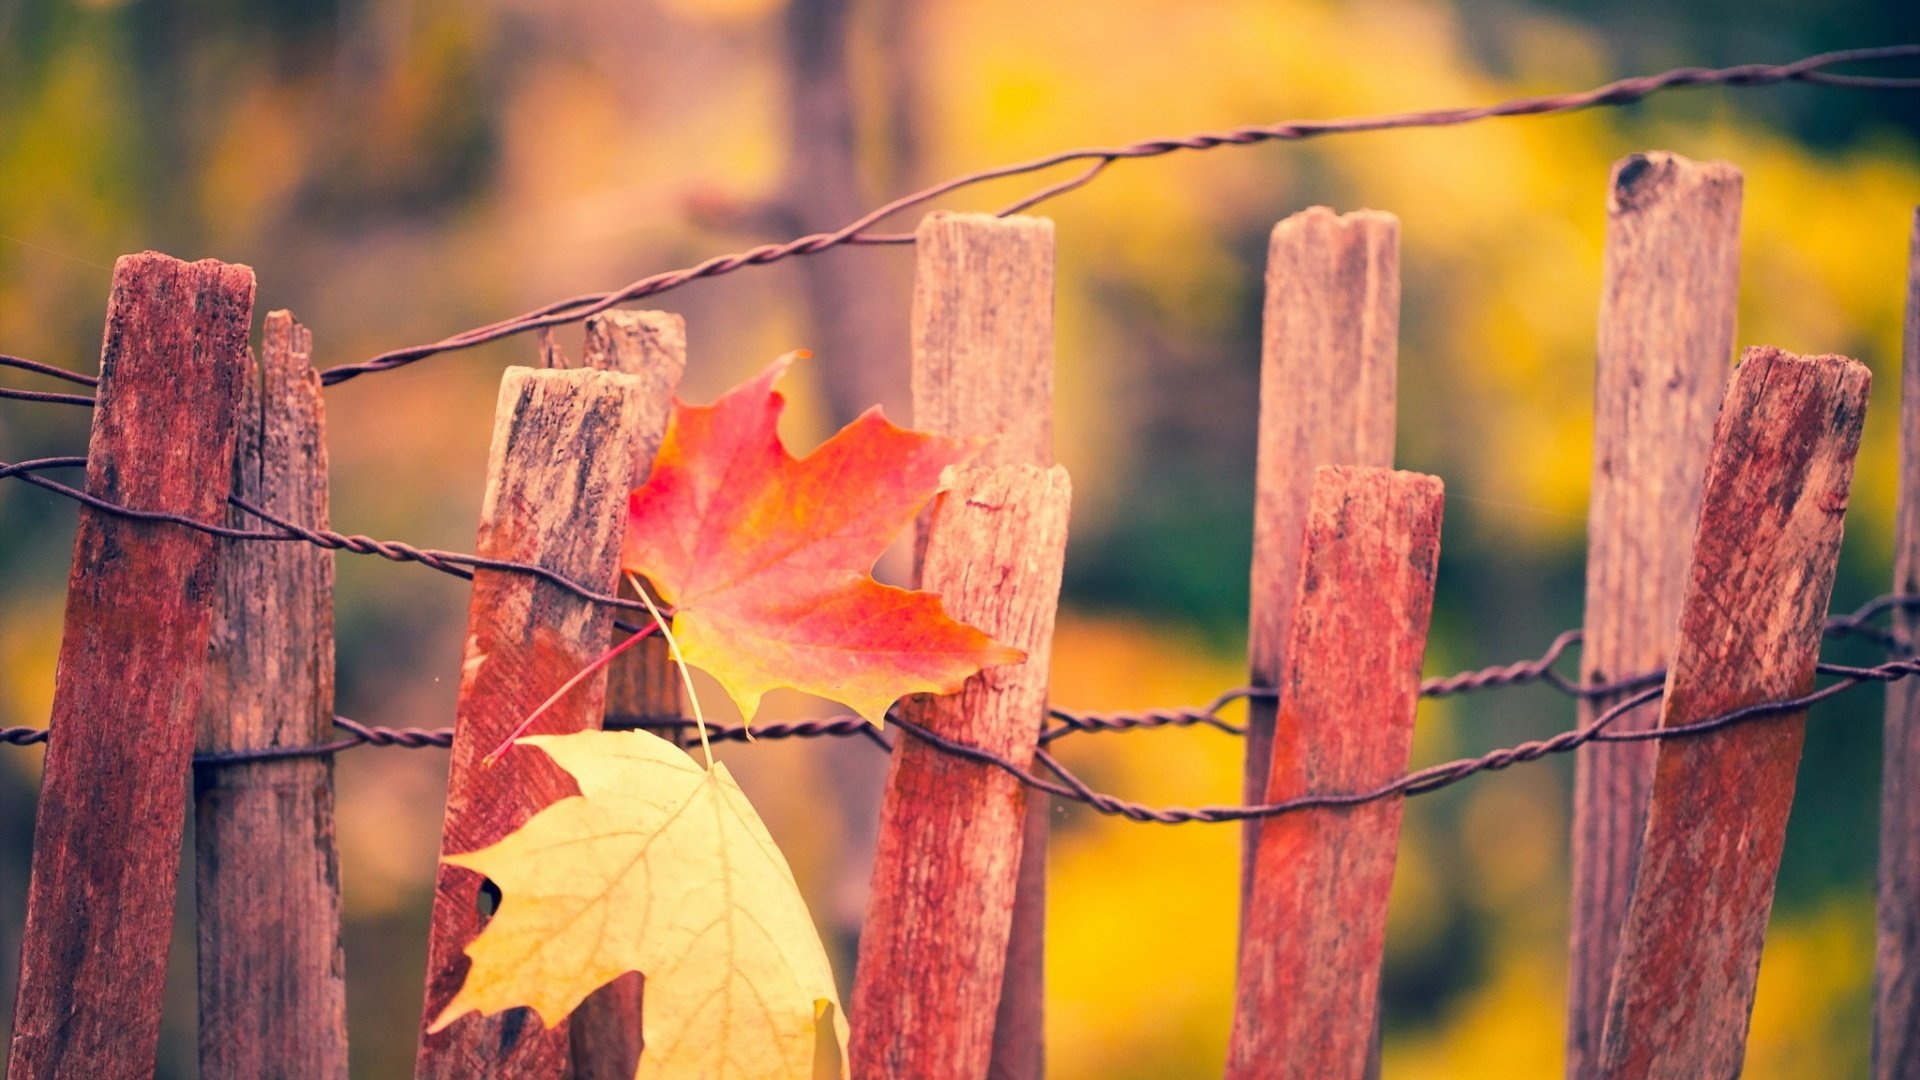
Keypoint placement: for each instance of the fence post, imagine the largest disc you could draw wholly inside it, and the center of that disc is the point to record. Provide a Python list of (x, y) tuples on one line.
[(934, 945), (983, 366), (1896, 1008), (1316, 917), (1750, 625), (1329, 344), (565, 510), (106, 843), (272, 976), (1666, 336), (641, 685)]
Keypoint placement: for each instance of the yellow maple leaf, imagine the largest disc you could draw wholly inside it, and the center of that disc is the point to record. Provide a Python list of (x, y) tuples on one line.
[(663, 867)]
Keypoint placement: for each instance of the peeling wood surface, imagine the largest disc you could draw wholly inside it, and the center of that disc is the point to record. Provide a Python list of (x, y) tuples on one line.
[(557, 483), (1750, 627), (940, 911), (1316, 915), (107, 835), (1666, 339), (651, 346), (272, 977), (1329, 345), (1896, 1006), (983, 366)]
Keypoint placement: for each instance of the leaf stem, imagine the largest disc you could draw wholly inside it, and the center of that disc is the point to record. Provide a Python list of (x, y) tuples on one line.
[(686, 677), (605, 658)]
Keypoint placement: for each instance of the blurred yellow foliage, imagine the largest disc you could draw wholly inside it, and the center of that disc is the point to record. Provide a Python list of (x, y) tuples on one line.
[(398, 176)]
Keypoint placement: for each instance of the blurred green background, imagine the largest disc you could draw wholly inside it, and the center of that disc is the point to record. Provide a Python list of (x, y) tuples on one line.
[(399, 170)]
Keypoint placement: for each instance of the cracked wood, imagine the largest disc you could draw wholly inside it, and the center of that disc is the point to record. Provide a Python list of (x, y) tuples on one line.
[(1316, 914), (557, 482), (1666, 337), (272, 977), (940, 912), (1329, 345), (1763, 563), (107, 834)]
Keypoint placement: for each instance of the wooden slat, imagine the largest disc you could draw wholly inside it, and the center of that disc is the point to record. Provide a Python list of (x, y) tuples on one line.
[(1896, 1000), (983, 366), (106, 843), (557, 483), (1666, 338), (641, 685), (1316, 922), (272, 975), (1328, 349), (1750, 627), (934, 946), (983, 333)]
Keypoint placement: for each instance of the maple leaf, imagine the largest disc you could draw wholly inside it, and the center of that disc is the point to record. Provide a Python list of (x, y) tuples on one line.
[(765, 557), (658, 866)]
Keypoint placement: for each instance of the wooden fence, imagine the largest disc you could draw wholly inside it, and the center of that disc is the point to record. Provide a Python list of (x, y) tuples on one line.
[(176, 642)]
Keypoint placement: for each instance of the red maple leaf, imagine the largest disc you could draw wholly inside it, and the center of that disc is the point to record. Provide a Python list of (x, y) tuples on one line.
[(766, 558)]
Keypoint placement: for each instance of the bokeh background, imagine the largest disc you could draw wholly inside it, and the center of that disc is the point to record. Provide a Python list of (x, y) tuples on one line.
[(399, 169)]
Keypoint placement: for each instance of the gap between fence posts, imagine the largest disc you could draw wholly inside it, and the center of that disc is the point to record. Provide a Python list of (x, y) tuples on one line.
[(1896, 995), (107, 832), (1667, 304), (651, 346), (566, 512), (1763, 563), (1308, 999), (1329, 345), (934, 945), (273, 996), (983, 367)]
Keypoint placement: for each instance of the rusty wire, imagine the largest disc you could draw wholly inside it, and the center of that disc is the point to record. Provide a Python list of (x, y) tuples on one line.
[(1642, 690), (1098, 159), (1811, 69), (1067, 785)]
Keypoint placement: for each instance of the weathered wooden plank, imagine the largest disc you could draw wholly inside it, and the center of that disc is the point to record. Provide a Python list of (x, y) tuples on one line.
[(557, 483), (1316, 918), (1329, 345), (983, 332), (106, 844), (1750, 626), (983, 366), (1666, 338), (934, 946), (651, 346), (1896, 998), (272, 976)]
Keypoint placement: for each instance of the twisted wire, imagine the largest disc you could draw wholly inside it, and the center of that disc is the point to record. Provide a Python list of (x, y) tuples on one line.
[(1620, 92)]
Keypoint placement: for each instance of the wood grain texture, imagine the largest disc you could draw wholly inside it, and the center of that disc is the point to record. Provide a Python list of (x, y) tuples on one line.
[(1316, 917), (557, 483), (983, 333), (983, 367), (651, 346), (106, 842), (1750, 626), (1329, 345), (934, 947), (1896, 998), (273, 997), (1666, 338)]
